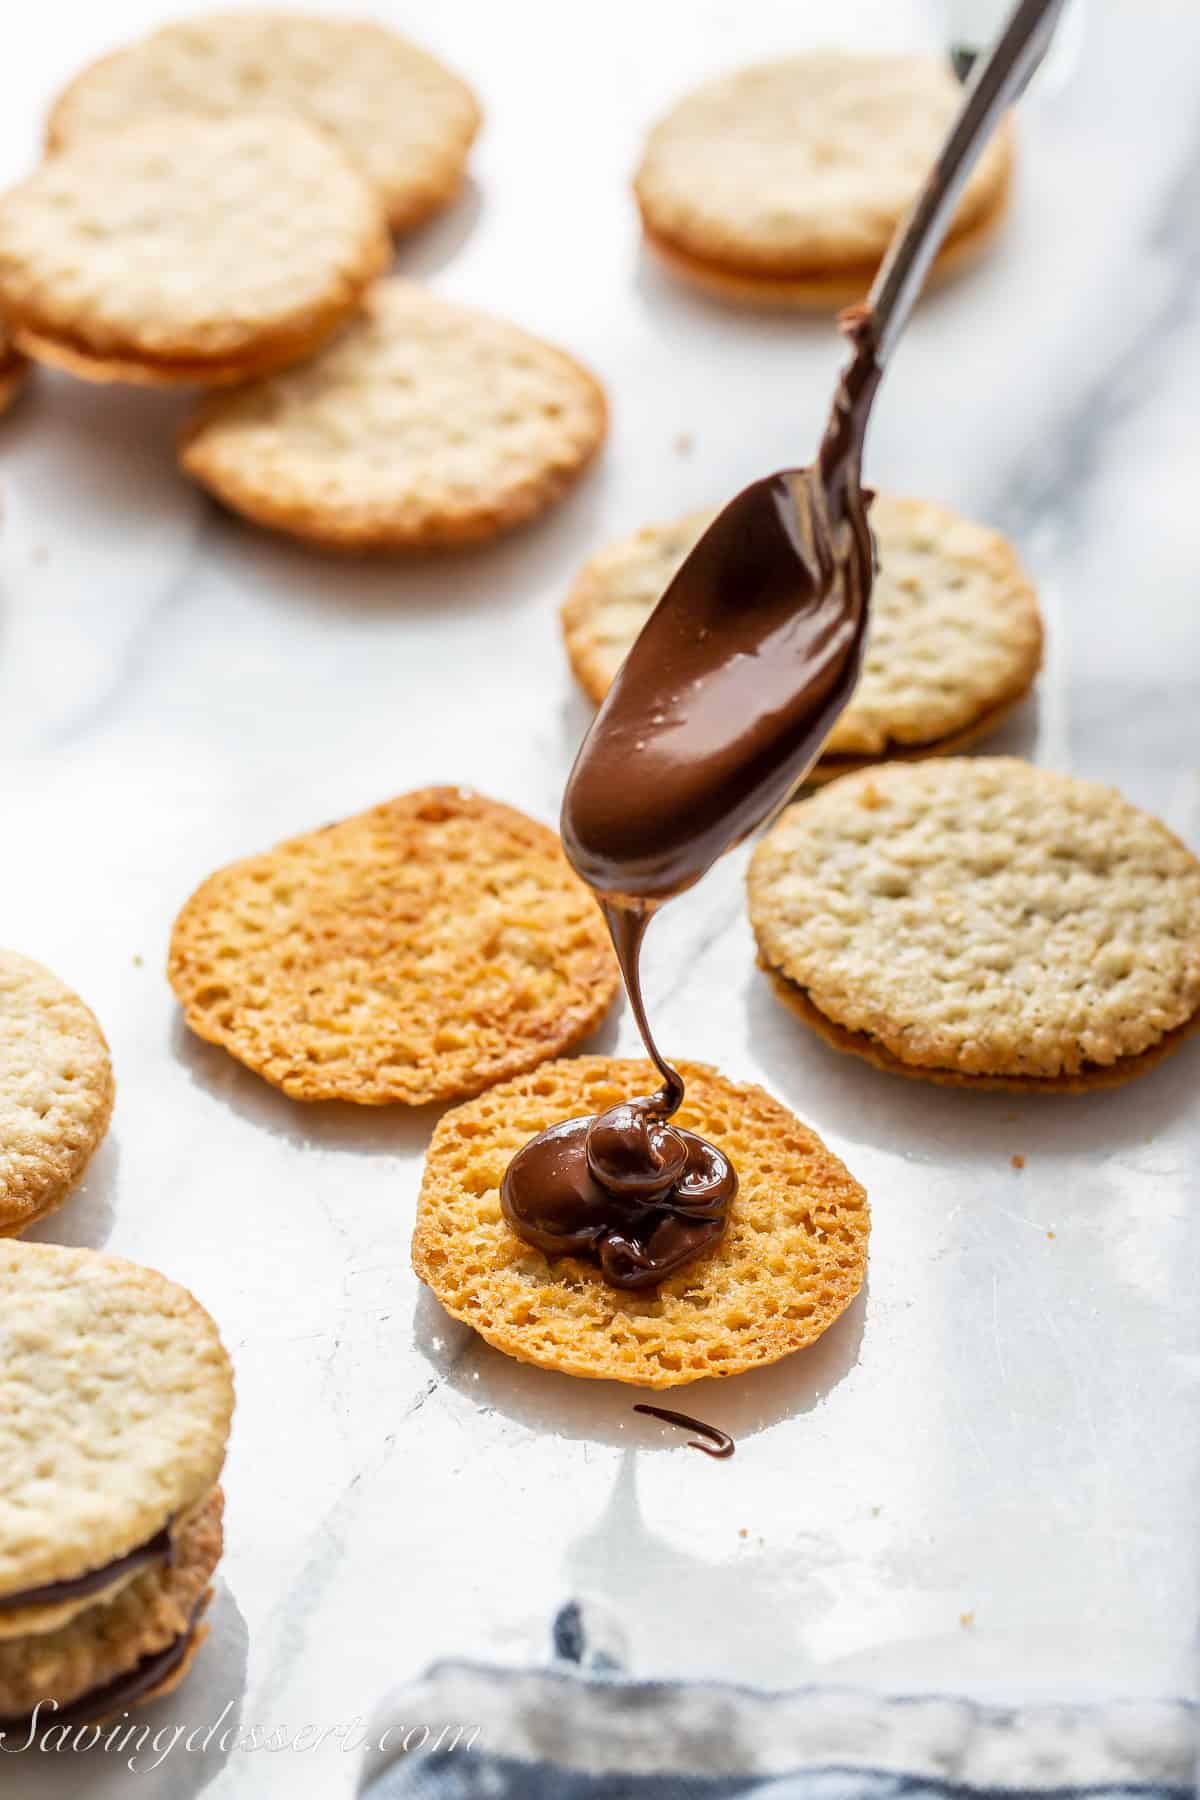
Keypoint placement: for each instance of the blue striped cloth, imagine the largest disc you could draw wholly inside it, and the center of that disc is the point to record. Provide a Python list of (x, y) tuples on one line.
[(467, 1731)]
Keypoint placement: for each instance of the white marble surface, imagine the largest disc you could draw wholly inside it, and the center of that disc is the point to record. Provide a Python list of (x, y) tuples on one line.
[(1004, 1425)]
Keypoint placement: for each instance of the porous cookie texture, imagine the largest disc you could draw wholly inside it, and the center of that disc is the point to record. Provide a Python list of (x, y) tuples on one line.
[(56, 1090), (12, 368), (954, 641), (416, 952), (424, 424), (188, 249), (108, 1640), (401, 116), (982, 922), (792, 1259), (117, 1402), (785, 181)]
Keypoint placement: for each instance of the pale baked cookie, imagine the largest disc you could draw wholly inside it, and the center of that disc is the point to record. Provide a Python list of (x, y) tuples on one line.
[(423, 424), (117, 1402), (955, 637), (12, 368), (416, 952), (56, 1091), (793, 1256), (399, 114), (106, 1642), (188, 250), (982, 922), (782, 183)]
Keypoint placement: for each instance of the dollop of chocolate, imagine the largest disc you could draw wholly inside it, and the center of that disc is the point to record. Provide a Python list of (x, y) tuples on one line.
[(624, 1188)]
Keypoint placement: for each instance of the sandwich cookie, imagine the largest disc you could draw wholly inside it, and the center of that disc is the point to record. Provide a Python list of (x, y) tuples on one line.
[(983, 923), (954, 639), (790, 1259), (184, 250), (118, 1398), (416, 952), (401, 117), (781, 184), (56, 1091), (425, 424)]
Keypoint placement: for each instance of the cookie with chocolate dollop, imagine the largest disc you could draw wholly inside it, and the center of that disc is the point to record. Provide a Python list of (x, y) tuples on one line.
[(790, 1259)]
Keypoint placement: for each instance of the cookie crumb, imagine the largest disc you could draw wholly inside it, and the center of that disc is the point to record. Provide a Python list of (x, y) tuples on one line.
[(137, 962), (685, 443), (966, 1620), (1018, 1162), (743, 1533), (1051, 1234)]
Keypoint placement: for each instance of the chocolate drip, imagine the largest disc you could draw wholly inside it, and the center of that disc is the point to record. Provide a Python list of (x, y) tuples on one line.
[(77, 1587), (720, 1443), (720, 709)]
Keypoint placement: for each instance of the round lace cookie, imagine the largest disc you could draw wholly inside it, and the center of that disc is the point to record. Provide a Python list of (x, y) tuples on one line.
[(792, 1259), (783, 183), (955, 636), (188, 250), (423, 424), (982, 922), (12, 368), (56, 1091), (402, 117), (117, 1402), (416, 952), (106, 1641)]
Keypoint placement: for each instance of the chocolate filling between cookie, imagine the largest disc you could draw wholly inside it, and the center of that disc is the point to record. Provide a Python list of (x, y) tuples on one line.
[(99, 1703), (717, 713), (158, 1549)]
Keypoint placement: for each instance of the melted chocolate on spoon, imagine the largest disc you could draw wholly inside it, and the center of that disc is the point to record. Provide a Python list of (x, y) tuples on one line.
[(720, 709)]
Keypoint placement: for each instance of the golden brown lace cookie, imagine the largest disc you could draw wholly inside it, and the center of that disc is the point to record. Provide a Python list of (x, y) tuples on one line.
[(955, 637), (188, 250), (416, 952), (56, 1091), (792, 1259), (982, 922), (403, 118), (781, 184), (425, 424)]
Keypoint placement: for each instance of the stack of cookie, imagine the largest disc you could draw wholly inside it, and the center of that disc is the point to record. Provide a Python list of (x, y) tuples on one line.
[(117, 1403)]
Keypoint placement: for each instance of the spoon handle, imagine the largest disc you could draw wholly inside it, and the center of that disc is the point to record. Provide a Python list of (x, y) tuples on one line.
[(995, 84)]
